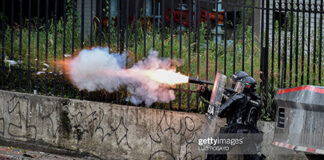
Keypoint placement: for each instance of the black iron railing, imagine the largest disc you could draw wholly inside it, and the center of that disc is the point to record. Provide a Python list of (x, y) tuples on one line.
[(278, 42)]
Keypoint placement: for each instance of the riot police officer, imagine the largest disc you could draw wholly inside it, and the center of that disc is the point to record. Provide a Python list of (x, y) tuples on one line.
[(241, 106)]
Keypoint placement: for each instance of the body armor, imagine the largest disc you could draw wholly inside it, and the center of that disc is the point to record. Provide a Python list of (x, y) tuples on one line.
[(241, 106)]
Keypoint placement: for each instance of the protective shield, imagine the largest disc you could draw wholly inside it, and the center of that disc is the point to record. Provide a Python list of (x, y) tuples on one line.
[(217, 94)]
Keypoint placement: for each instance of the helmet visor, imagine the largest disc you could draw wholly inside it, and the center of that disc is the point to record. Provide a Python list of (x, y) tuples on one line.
[(231, 83), (238, 87)]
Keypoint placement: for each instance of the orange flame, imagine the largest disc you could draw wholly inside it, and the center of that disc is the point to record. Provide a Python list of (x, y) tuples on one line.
[(169, 77), (65, 67)]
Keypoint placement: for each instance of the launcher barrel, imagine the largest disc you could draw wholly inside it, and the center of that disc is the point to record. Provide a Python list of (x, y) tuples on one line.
[(198, 81)]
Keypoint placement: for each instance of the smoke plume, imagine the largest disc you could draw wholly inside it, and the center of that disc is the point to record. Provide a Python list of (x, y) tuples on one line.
[(96, 69)]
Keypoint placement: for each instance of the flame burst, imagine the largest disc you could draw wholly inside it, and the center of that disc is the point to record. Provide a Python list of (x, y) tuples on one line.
[(169, 77), (149, 80), (65, 67), (162, 76)]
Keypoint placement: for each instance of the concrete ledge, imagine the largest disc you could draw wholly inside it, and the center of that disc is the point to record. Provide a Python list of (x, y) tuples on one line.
[(44, 147), (108, 131), (101, 129)]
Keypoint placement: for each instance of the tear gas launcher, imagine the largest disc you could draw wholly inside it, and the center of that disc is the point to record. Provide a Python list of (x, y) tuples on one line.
[(198, 81)]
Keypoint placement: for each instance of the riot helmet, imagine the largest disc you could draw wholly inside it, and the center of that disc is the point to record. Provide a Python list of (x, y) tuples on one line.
[(241, 82), (235, 78), (246, 85)]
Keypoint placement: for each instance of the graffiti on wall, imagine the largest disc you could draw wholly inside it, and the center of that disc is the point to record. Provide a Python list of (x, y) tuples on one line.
[(20, 119), (25, 118), (174, 139)]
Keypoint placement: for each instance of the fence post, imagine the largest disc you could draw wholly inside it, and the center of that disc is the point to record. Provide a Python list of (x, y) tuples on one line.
[(265, 57)]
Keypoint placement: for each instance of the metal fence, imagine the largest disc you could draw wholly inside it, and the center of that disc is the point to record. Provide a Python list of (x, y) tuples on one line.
[(279, 42)]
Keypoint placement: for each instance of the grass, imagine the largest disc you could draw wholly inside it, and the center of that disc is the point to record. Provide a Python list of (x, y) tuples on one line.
[(202, 64)]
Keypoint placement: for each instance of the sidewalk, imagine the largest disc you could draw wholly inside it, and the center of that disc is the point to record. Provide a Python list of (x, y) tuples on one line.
[(13, 153)]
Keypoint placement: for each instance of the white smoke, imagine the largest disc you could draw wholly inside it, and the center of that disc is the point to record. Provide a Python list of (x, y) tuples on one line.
[(97, 69)]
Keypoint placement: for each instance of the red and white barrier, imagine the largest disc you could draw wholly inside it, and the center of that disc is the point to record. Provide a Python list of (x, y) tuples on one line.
[(299, 148)]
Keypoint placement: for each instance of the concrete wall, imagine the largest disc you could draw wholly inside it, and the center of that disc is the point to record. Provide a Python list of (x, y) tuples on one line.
[(106, 130), (103, 129)]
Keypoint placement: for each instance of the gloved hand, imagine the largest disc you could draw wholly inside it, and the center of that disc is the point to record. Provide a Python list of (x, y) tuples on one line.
[(204, 91)]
